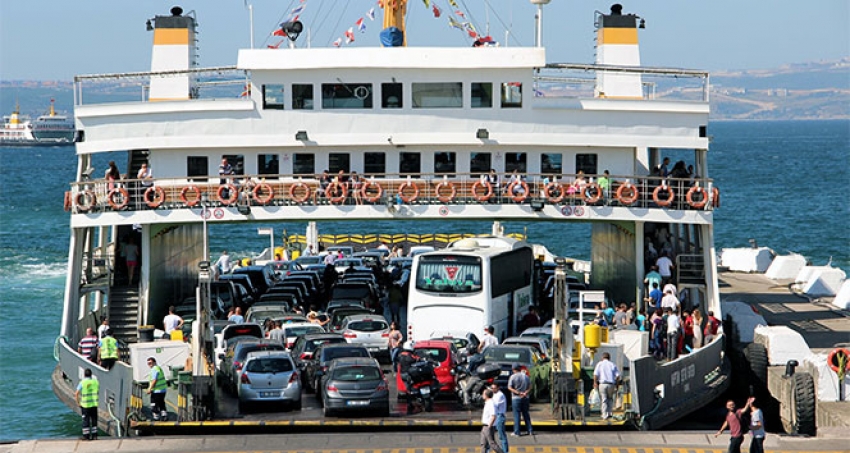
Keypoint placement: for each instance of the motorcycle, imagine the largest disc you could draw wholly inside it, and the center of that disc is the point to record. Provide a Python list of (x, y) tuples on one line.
[(473, 377), (422, 384)]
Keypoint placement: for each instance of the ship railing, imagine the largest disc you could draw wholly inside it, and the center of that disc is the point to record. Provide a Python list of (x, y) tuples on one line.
[(222, 82), (569, 80), (537, 190)]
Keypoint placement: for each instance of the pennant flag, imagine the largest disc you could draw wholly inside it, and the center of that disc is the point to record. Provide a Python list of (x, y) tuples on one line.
[(437, 11), (275, 46), (278, 32), (427, 3), (538, 93), (297, 10), (472, 34), (454, 23), (469, 26), (349, 35), (487, 38), (372, 14), (360, 25), (460, 13), (453, 3), (338, 42)]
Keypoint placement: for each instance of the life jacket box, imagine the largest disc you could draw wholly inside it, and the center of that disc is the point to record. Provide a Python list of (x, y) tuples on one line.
[(168, 354), (421, 371), (488, 371)]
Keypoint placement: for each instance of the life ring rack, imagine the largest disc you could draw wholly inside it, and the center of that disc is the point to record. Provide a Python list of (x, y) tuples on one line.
[(332, 188), (665, 202), (233, 195), (185, 200), (118, 191), (406, 198), (561, 192), (696, 204), (597, 193), (452, 191), (81, 198), (522, 184), (834, 357), (299, 198), (157, 199), (364, 192), (488, 193), (259, 188), (624, 199)]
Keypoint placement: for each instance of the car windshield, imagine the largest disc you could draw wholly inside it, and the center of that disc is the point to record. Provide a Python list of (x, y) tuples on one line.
[(506, 355), (313, 344), (367, 326), (259, 347), (300, 330), (356, 373), (436, 354), (449, 274), (335, 353), (269, 365)]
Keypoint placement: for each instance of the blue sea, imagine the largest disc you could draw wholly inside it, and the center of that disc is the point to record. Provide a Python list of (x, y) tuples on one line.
[(784, 184)]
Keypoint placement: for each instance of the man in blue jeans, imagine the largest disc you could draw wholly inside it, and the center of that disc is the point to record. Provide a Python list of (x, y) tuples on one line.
[(519, 384), (501, 405)]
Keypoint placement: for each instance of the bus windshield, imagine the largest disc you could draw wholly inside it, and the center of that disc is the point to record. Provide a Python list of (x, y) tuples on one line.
[(449, 274)]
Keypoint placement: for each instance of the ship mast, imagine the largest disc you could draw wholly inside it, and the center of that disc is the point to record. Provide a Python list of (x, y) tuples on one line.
[(394, 15)]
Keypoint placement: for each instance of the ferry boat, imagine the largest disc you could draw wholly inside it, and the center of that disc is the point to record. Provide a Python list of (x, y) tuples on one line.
[(486, 132), (51, 129)]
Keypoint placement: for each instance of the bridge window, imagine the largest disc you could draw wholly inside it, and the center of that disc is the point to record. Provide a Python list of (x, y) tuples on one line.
[(482, 95), (437, 95), (391, 96), (444, 163), (480, 163), (410, 164), (197, 166), (268, 164), (375, 164), (339, 161), (346, 96), (302, 97), (516, 161), (551, 164), (237, 161), (512, 95), (273, 97), (303, 164), (588, 163)]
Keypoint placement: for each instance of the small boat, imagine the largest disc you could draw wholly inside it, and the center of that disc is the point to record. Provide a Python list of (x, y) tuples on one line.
[(51, 129)]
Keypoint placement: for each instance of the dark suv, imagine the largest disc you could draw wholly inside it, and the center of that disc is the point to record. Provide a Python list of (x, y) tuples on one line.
[(262, 277), (316, 367)]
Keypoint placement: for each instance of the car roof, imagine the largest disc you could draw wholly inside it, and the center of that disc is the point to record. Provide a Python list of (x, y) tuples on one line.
[(366, 317), (524, 339), (355, 361), (255, 354)]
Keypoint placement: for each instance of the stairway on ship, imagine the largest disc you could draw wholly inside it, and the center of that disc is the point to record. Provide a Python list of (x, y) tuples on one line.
[(124, 312)]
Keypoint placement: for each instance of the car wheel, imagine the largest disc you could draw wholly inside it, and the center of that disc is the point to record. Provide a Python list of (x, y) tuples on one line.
[(296, 405), (326, 411)]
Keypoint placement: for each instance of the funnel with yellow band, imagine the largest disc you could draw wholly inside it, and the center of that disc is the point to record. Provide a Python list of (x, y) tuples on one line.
[(173, 50), (617, 45)]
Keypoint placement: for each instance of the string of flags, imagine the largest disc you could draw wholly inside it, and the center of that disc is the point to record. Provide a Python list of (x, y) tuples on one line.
[(294, 15)]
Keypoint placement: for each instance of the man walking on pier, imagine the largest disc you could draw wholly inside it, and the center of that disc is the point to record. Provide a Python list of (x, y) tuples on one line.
[(733, 422), (157, 387), (86, 397), (605, 379)]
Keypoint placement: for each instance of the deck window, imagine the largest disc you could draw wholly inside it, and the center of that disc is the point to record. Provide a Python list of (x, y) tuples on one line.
[(482, 95), (410, 164), (512, 95), (302, 97), (346, 95), (303, 164), (516, 161), (339, 161), (445, 163), (197, 166), (375, 164), (237, 161), (391, 96), (588, 163), (551, 164), (437, 95), (272, 97), (480, 163), (268, 164)]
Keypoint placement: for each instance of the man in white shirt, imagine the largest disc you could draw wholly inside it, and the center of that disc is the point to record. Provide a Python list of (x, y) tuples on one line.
[(488, 421), (670, 301), (673, 327), (488, 339), (665, 268), (171, 322), (224, 265), (605, 379), (500, 404)]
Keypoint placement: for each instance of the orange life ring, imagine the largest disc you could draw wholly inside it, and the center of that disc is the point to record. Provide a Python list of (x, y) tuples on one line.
[(715, 195), (233, 194), (332, 187), (597, 193), (832, 359), (660, 202), (111, 198), (621, 194), (185, 200), (690, 197), (81, 197), (263, 187), (518, 198), (364, 192), (158, 199), (296, 198), (405, 198), (444, 198), (487, 194), (561, 192)]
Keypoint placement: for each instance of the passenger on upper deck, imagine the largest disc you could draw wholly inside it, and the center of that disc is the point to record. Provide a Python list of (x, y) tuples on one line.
[(112, 174)]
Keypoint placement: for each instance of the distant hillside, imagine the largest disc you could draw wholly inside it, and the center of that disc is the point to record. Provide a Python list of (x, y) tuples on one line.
[(815, 90)]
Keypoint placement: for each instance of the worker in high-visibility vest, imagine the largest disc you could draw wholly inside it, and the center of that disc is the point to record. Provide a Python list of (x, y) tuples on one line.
[(86, 397), (157, 387), (108, 350)]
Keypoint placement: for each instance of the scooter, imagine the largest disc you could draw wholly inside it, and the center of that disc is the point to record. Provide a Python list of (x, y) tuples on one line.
[(473, 377), (422, 384)]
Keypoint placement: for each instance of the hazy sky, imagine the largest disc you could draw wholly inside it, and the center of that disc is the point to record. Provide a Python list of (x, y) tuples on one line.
[(57, 39)]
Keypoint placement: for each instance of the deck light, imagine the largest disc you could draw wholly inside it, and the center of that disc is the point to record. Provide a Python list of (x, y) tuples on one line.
[(292, 29), (482, 134), (537, 205), (301, 136), (244, 209)]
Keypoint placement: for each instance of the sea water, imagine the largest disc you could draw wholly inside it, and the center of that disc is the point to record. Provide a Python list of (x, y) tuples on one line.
[(784, 184)]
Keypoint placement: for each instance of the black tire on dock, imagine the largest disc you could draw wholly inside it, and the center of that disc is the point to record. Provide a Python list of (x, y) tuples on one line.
[(804, 404), (756, 356)]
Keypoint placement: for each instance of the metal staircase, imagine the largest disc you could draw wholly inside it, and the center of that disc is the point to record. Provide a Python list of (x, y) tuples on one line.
[(124, 313)]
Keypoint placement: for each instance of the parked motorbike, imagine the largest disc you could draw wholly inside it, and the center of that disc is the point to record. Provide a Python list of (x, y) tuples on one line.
[(422, 384), (473, 377)]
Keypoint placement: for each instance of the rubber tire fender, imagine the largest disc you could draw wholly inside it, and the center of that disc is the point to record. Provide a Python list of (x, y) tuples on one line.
[(804, 404), (756, 356)]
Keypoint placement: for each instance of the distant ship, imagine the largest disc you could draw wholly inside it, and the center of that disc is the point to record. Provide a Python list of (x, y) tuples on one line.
[(51, 129)]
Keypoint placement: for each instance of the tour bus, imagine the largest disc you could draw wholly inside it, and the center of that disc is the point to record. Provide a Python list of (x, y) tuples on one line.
[(473, 283)]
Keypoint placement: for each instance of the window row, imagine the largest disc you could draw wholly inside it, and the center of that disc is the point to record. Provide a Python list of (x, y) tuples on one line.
[(409, 163), (361, 95)]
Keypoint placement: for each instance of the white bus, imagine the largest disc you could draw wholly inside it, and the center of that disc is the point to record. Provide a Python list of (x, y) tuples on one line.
[(474, 283)]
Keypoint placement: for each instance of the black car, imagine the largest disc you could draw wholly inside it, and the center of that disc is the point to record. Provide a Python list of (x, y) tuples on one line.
[(262, 277), (315, 368), (306, 344), (355, 384), (354, 291), (231, 294), (294, 291), (244, 280)]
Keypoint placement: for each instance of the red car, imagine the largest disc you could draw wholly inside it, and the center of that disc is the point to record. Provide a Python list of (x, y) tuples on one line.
[(443, 352)]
